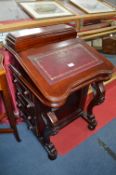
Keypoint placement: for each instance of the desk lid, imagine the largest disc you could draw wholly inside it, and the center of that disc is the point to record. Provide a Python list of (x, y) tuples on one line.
[(59, 69), (63, 63)]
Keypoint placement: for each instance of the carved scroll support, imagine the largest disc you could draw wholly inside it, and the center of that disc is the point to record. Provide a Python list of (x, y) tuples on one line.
[(45, 138), (98, 98)]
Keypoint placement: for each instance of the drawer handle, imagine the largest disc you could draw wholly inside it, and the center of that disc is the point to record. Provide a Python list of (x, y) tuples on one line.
[(18, 93), (19, 105), (26, 92), (30, 127), (15, 80), (29, 117), (30, 105)]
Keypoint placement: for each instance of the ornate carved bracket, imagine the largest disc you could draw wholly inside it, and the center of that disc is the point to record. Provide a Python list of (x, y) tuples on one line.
[(98, 98)]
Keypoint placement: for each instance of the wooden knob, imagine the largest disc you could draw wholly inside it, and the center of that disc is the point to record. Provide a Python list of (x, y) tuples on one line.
[(18, 93), (19, 105), (29, 105), (15, 80), (29, 117), (30, 127), (26, 92)]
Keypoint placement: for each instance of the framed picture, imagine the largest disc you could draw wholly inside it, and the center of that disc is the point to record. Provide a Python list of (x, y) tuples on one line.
[(93, 6), (111, 2), (45, 9)]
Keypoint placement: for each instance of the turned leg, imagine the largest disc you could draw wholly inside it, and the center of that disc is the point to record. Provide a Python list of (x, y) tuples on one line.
[(98, 98)]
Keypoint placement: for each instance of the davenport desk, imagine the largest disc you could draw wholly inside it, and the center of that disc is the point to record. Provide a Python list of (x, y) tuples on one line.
[(52, 84)]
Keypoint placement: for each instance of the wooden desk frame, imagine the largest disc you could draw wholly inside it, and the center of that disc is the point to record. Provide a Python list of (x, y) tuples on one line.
[(47, 113), (98, 92)]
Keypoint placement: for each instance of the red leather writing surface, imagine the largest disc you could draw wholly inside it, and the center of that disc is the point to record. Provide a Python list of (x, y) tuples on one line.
[(59, 64), (58, 69)]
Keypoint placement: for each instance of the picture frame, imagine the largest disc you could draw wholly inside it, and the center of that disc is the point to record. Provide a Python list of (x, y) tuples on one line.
[(45, 9), (111, 3), (93, 6)]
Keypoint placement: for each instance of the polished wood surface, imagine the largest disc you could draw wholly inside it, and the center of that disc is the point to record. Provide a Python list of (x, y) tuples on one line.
[(59, 90), (63, 20), (52, 83), (87, 33), (98, 35), (7, 102), (42, 106), (25, 39), (109, 44)]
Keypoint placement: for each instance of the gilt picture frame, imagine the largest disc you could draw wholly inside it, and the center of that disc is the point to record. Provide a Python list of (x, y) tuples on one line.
[(45, 9), (93, 6)]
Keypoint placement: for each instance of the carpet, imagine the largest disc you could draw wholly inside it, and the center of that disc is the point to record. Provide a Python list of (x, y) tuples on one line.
[(96, 156), (77, 132)]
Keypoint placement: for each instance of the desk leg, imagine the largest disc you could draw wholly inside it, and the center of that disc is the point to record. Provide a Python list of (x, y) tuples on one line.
[(8, 106), (98, 98), (45, 138)]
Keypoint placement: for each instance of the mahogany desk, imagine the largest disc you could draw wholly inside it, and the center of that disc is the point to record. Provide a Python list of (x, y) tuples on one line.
[(7, 102), (52, 84)]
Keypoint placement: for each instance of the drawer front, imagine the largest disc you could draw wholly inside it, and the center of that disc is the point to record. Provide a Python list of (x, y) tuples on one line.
[(25, 103)]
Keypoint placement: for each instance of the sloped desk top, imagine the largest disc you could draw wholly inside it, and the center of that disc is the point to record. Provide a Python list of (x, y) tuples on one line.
[(61, 68)]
